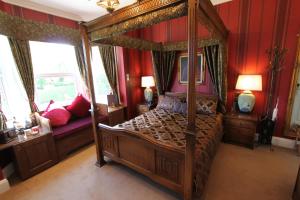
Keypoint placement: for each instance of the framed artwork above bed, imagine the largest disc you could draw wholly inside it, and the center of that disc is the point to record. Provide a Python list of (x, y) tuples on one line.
[(183, 69)]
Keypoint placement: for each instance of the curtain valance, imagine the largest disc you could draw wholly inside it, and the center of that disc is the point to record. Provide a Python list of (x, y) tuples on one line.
[(24, 29)]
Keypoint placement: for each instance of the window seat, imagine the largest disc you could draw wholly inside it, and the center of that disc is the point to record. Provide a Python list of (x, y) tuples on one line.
[(75, 134), (72, 127)]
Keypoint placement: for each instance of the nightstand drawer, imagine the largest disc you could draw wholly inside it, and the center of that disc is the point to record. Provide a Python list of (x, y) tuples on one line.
[(239, 135), (240, 123)]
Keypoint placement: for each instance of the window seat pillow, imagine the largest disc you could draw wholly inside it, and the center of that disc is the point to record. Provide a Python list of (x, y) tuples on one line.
[(57, 114), (80, 107)]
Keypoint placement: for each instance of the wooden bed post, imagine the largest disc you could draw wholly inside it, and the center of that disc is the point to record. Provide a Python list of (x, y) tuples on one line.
[(191, 128), (94, 112)]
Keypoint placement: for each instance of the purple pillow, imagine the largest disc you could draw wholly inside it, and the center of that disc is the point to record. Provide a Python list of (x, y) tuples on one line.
[(166, 102), (180, 107)]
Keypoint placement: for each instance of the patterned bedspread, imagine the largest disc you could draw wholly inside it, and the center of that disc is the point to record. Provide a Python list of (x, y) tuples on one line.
[(167, 128)]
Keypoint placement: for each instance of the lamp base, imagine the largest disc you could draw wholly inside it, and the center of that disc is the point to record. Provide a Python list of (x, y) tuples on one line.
[(246, 102), (148, 95)]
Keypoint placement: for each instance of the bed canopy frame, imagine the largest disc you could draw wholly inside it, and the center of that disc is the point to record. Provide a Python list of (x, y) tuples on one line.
[(109, 29)]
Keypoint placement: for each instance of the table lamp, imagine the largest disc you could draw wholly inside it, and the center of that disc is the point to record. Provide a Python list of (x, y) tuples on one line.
[(148, 82), (246, 99)]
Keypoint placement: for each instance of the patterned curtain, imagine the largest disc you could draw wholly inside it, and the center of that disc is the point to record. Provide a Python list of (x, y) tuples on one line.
[(81, 63), (213, 57), (163, 65), (107, 54), (21, 52)]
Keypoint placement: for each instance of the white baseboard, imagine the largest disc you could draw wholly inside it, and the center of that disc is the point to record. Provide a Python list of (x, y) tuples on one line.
[(8, 170), (284, 142), (4, 186), (281, 142)]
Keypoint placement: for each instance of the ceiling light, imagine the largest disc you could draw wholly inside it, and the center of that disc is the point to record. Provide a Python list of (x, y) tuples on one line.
[(109, 5)]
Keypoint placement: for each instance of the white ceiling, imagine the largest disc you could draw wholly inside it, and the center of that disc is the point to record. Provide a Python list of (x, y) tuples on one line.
[(78, 10)]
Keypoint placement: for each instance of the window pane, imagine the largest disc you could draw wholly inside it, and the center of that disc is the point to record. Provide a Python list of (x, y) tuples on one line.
[(13, 96), (56, 73), (52, 58), (101, 84), (59, 88)]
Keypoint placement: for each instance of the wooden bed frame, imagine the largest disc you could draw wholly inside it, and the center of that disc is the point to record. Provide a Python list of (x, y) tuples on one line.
[(161, 164), (170, 167)]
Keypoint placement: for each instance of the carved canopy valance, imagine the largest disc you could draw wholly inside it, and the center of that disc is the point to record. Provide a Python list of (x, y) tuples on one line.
[(149, 12), (140, 44), (38, 31), (140, 22)]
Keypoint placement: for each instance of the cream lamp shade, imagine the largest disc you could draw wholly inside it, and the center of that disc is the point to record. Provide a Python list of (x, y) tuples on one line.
[(246, 99), (249, 82), (148, 81)]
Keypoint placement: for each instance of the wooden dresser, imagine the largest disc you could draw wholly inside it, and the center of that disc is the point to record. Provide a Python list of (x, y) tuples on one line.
[(240, 128)]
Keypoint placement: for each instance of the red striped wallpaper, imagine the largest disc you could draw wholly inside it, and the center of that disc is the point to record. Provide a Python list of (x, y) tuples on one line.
[(37, 16), (254, 26)]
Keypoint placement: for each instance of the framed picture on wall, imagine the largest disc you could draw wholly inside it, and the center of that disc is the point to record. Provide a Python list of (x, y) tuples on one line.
[(183, 69)]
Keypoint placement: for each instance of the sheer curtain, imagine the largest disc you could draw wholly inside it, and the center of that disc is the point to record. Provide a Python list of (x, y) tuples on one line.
[(14, 99)]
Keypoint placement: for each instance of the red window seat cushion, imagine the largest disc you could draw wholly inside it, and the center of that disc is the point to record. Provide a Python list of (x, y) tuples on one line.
[(74, 126)]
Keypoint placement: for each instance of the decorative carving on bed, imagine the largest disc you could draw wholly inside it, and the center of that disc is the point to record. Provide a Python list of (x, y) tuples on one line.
[(182, 46), (110, 144), (147, 13), (140, 22), (168, 167), (130, 42), (129, 12), (141, 44)]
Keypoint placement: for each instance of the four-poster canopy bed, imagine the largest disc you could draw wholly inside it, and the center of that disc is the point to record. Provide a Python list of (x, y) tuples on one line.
[(169, 164)]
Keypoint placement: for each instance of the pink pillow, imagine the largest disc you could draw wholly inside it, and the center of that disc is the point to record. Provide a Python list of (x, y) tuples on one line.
[(57, 114), (80, 106)]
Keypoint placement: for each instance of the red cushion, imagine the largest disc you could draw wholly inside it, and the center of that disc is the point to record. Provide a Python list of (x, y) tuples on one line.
[(72, 127), (80, 106), (57, 114)]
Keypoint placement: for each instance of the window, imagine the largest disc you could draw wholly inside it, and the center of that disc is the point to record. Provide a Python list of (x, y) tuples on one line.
[(56, 73), (14, 100), (101, 84)]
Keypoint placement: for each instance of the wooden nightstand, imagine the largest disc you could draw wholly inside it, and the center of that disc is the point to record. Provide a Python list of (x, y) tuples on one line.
[(32, 154), (143, 108), (240, 128), (116, 115)]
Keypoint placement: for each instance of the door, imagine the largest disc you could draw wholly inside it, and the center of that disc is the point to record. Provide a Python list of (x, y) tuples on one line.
[(296, 107)]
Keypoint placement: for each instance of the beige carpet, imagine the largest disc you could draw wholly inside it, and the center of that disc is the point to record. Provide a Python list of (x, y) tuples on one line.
[(237, 173)]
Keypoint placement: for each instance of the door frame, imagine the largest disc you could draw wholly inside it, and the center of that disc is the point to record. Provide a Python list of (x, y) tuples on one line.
[(293, 89)]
